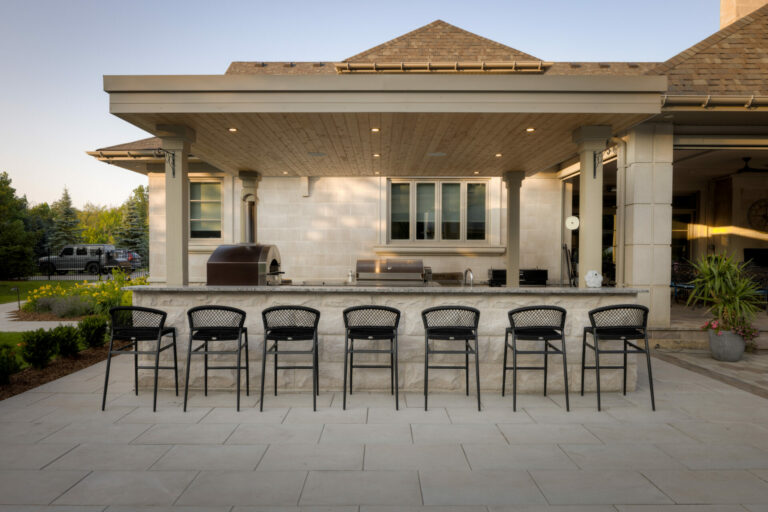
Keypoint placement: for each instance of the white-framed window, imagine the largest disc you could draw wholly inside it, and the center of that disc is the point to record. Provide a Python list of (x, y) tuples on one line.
[(205, 209), (450, 211)]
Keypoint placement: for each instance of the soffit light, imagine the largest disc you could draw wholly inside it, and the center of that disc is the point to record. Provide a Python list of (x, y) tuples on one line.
[(498, 155), (530, 130), (476, 172), (233, 130), (376, 155), (285, 172), (375, 130), (375, 172)]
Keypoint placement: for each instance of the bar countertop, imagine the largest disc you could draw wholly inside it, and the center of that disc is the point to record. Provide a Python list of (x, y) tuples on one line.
[(392, 290)]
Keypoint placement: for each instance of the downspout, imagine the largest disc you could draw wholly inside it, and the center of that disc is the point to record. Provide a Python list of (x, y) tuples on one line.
[(621, 180)]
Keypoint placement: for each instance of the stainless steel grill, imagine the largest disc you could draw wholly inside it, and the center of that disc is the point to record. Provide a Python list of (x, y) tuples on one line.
[(244, 264), (392, 272)]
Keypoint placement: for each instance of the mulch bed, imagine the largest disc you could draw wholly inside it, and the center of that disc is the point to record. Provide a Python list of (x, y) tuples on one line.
[(30, 316), (31, 378)]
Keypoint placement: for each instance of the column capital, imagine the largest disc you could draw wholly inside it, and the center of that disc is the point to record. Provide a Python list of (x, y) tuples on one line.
[(175, 131), (252, 176), (592, 138), (512, 178)]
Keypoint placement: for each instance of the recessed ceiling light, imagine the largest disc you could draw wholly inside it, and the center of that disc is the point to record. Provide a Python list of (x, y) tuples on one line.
[(375, 172), (375, 130), (376, 155), (498, 155), (233, 130), (285, 172), (476, 172), (530, 130), (438, 153)]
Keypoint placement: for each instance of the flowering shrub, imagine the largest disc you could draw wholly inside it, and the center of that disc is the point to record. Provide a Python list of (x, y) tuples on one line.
[(743, 329), (95, 298)]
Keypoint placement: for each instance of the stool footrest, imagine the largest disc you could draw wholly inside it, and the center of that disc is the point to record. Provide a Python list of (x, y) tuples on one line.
[(295, 367), (372, 366), (446, 367)]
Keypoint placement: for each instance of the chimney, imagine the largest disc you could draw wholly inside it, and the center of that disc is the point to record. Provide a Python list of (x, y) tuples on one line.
[(732, 10)]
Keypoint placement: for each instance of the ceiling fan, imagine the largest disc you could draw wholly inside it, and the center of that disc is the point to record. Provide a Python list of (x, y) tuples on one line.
[(747, 168)]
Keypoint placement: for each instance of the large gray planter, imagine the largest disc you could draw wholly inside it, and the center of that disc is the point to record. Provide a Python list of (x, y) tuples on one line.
[(726, 346)]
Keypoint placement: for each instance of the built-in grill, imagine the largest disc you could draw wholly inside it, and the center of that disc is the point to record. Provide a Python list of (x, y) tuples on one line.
[(392, 272), (244, 264)]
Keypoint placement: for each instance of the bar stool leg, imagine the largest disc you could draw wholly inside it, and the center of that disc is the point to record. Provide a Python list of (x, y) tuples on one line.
[(247, 368), (650, 374), (175, 365), (397, 377), (504, 367), (392, 366), (624, 387), (186, 380), (426, 369), (263, 371), (205, 372), (106, 378), (514, 372), (597, 369), (546, 364), (135, 368), (239, 356), (583, 359), (466, 365), (351, 363), (157, 371), (317, 367), (275, 369), (477, 369), (565, 377), (314, 373), (346, 358)]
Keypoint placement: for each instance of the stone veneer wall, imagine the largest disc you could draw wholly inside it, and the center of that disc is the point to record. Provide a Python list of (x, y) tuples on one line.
[(493, 321)]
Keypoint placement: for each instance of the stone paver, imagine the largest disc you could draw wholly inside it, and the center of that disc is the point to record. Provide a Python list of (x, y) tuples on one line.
[(704, 450), (9, 324)]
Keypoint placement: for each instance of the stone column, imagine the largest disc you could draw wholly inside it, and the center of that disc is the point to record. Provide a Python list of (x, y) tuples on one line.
[(648, 217), (250, 183), (513, 179), (177, 147), (591, 141)]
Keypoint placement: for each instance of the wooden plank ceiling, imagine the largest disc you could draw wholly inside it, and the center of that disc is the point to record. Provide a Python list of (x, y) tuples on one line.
[(409, 144)]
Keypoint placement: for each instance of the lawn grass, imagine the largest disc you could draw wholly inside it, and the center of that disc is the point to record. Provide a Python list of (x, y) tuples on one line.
[(12, 339), (8, 295)]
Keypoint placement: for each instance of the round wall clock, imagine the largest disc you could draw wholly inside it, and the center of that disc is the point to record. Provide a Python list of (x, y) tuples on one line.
[(572, 222), (758, 215)]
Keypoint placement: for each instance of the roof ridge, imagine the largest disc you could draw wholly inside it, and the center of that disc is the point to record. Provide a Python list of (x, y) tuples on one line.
[(426, 27), (713, 39)]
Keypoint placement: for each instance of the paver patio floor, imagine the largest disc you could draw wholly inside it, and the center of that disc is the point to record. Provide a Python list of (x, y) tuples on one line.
[(704, 449)]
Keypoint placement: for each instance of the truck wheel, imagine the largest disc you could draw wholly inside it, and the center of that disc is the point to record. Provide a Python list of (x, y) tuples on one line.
[(92, 268)]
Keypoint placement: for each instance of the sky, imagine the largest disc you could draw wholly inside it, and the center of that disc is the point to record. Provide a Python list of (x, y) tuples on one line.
[(54, 53)]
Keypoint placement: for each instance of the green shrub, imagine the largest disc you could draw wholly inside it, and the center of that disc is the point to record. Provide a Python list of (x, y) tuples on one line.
[(67, 340), (8, 363), (93, 330), (37, 348)]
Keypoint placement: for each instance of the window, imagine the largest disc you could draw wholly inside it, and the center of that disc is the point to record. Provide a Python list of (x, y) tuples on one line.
[(205, 210), (67, 251), (81, 251), (438, 210)]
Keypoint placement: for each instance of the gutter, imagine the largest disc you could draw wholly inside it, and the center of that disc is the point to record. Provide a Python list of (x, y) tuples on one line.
[(712, 101)]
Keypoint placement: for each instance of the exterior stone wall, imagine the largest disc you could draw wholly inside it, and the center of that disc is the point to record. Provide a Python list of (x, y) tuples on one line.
[(493, 322)]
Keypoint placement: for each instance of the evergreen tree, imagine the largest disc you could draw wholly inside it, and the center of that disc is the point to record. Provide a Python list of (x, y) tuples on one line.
[(40, 221), (66, 226), (134, 230), (16, 242)]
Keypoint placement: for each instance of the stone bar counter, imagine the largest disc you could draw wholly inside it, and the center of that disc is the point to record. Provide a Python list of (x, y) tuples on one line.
[(331, 300)]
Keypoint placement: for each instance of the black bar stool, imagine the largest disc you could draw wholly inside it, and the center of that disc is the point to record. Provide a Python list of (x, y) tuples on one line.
[(290, 323), (213, 325), (133, 324), (451, 323), (535, 323), (622, 322), (371, 323)]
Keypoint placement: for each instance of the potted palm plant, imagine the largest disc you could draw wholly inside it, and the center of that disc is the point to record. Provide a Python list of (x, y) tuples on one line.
[(732, 298)]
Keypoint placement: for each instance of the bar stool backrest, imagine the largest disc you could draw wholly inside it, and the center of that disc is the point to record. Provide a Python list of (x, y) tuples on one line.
[(620, 316), (382, 317), (290, 316), (450, 316), (135, 319), (216, 316), (537, 317)]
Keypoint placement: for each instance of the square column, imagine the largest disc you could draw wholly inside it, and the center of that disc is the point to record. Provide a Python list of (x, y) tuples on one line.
[(513, 179), (249, 206), (177, 150), (591, 141), (647, 194)]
